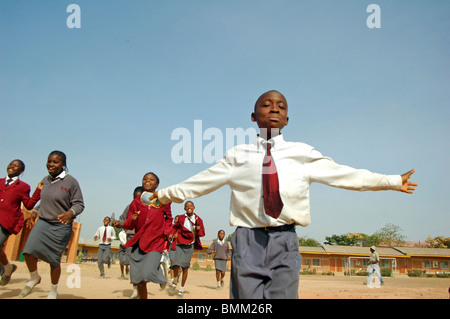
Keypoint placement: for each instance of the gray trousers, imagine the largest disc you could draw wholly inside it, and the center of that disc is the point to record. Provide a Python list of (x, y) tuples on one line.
[(103, 256), (264, 265)]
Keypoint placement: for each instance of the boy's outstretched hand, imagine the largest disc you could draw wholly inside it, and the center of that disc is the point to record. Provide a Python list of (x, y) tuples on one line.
[(408, 187)]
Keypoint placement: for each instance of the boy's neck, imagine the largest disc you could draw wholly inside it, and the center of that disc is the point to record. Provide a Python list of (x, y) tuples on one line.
[(267, 134)]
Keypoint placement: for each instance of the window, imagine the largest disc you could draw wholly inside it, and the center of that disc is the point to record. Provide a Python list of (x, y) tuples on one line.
[(316, 262), (426, 263), (201, 257), (444, 264)]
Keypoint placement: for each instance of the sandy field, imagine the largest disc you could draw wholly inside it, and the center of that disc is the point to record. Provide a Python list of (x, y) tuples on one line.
[(82, 281)]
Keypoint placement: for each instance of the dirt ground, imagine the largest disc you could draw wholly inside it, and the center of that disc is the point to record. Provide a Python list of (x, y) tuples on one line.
[(82, 281)]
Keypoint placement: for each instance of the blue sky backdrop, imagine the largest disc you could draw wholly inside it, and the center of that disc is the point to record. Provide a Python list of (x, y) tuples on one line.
[(110, 94)]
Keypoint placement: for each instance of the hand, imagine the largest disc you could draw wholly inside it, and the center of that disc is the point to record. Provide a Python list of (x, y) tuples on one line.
[(408, 187), (95, 237), (135, 215), (41, 183), (66, 217), (32, 220), (115, 223)]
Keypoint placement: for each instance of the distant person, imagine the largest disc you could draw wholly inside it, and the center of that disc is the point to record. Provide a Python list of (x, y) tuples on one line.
[(266, 209), (106, 234), (374, 266), (125, 252), (61, 202), (221, 250), (188, 231)]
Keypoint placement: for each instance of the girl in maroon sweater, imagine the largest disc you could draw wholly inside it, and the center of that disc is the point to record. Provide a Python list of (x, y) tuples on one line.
[(151, 226), (13, 192)]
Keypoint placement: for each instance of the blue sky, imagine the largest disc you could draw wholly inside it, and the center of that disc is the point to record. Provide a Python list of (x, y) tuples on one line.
[(110, 94)]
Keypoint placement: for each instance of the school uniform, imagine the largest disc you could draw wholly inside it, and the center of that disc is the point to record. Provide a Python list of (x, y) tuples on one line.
[(271, 267), (125, 252), (124, 259), (222, 252), (187, 239), (49, 237), (11, 197), (105, 234), (148, 242)]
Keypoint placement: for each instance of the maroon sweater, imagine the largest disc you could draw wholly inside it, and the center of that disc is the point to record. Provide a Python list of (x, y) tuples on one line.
[(151, 226), (11, 216)]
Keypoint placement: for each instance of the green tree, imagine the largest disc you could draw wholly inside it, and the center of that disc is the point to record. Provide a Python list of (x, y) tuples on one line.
[(390, 235), (438, 242), (308, 242)]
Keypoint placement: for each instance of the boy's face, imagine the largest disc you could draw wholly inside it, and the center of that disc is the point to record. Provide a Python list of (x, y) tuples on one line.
[(106, 221), (221, 235), (189, 208), (271, 111), (149, 183), (14, 169)]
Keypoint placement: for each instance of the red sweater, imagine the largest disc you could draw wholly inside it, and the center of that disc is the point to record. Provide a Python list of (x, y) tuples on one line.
[(150, 227), (185, 236), (11, 216)]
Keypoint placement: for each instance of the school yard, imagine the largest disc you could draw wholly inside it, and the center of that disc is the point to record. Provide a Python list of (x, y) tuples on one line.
[(82, 281)]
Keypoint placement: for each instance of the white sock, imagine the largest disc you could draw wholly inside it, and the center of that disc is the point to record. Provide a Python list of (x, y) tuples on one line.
[(53, 292), (181, 289), (135, 292), (218, 284), (34, 278)]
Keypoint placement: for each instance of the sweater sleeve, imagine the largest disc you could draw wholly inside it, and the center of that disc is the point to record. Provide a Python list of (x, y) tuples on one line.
[(30, 202), (76, 199)]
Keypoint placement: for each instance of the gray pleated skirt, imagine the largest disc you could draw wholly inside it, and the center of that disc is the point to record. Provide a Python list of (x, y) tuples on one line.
[(124, 255), (47, 241), (145, 267), (183, 255), (221, 264)]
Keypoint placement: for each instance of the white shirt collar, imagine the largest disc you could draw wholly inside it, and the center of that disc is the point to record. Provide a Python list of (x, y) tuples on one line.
[(60, 176), (13, 179), (275, 141)]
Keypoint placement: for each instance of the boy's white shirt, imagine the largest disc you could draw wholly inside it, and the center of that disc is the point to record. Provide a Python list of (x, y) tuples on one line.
[(298, 166), (123, 237), (110, 233)]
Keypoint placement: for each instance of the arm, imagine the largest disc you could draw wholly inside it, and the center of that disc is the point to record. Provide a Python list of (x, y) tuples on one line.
[(324, 170), (30, 202), (168, 219), (112, 234), (132, 217), (97, 234), (211, 248), (76, 202), (200, 231), (198, 185), (228, 251)]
